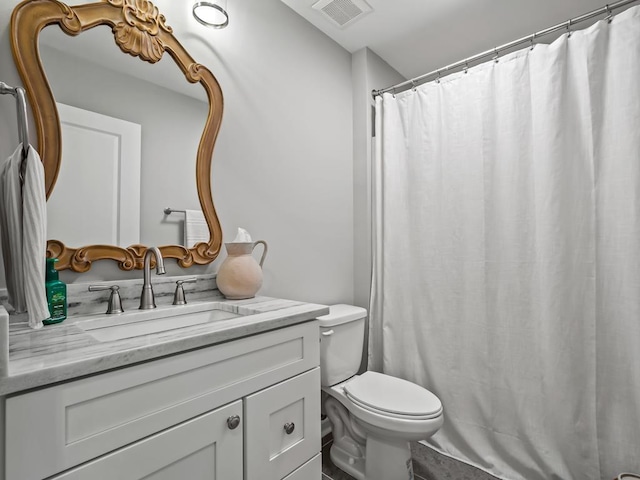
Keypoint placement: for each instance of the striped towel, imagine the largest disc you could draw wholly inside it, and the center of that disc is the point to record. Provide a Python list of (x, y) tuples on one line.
[(23, 226), (195, 228)]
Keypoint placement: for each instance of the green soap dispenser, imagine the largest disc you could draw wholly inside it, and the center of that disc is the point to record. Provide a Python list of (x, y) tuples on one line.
[(56, 294)]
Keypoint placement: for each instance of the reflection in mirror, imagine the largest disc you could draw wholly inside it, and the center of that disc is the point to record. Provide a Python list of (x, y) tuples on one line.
[(94, 191), (109, 183)]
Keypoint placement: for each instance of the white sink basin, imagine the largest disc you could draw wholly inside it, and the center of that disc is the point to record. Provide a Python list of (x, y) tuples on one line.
[(107, 328)]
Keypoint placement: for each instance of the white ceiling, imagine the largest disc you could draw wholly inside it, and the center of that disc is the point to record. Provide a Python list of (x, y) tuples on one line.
[(419, 36)]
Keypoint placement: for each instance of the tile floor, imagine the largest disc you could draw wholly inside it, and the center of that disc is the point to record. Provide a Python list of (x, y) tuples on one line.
[(427, 465)]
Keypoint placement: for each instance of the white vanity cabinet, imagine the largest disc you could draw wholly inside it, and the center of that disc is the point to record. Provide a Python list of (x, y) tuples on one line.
[(248, 409)]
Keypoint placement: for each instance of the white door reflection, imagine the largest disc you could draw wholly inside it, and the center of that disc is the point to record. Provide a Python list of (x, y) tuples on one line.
[(97, 194)]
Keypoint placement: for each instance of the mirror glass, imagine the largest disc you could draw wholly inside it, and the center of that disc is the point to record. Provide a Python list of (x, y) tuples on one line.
[(130, 135)]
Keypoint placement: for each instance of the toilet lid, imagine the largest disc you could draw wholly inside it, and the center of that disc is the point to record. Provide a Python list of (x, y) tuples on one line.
[(392, 395)]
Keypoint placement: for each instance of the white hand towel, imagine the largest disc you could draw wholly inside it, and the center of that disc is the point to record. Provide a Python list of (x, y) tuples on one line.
[(195, 228), (23, 226)]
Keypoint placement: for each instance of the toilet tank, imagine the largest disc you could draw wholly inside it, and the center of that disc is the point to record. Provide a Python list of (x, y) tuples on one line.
[(341, 343)]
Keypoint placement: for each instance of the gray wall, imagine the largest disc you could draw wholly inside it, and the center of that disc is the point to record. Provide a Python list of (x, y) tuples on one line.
[(283, 162), (369, 72)]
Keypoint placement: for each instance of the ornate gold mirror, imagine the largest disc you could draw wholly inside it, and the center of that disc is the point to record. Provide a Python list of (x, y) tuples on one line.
[(140, 31)]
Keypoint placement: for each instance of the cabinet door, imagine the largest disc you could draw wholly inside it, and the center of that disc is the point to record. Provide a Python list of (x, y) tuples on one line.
[(205, 448), (312, 470), (282, 427)]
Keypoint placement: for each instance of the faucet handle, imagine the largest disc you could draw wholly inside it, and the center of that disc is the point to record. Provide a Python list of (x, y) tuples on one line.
[(115, 302), (178, 296)]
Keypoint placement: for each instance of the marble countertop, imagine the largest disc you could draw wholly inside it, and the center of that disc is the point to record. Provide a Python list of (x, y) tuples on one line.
[(56, 353)]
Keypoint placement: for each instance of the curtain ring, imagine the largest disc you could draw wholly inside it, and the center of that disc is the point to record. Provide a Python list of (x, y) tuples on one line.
[(569, 31), (413, 85), (496, 57), (466, 67), (609, 14), (437, 76), (531, 41)]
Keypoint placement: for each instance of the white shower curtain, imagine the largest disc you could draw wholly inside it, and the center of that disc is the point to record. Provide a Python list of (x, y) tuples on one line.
[(507, 255)]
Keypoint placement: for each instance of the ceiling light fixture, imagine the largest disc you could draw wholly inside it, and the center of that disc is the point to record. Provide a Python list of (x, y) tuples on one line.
[(211, 14)]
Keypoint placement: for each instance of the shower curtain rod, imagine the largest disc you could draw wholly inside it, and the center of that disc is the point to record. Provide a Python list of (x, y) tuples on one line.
[(414, 82)]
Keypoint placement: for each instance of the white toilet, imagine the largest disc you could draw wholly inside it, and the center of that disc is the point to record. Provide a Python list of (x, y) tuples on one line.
[(373, 416)]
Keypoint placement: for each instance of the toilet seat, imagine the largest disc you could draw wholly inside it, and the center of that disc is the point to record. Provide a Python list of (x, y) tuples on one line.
[(391, 414), (388, 424), (392, 397)]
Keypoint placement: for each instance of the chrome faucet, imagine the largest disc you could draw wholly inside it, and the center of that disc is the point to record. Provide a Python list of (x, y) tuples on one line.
[(147, 300)]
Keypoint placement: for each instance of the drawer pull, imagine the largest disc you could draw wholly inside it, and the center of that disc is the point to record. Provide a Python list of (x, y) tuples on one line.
[(289, 427), (233, 422), (327, 333)]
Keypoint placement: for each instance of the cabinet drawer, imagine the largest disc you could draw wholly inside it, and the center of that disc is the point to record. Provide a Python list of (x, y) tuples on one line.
[(312, 470), (204, 448), (282, 428), (77, 421)]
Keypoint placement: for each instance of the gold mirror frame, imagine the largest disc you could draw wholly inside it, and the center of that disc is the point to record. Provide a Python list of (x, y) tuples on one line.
[(141, 31)]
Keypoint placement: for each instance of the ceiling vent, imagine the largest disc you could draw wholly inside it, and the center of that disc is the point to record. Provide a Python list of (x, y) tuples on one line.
[(343, 13)]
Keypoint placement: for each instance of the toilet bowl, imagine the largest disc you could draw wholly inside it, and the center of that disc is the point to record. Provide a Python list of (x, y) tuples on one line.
[(373, 416)]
